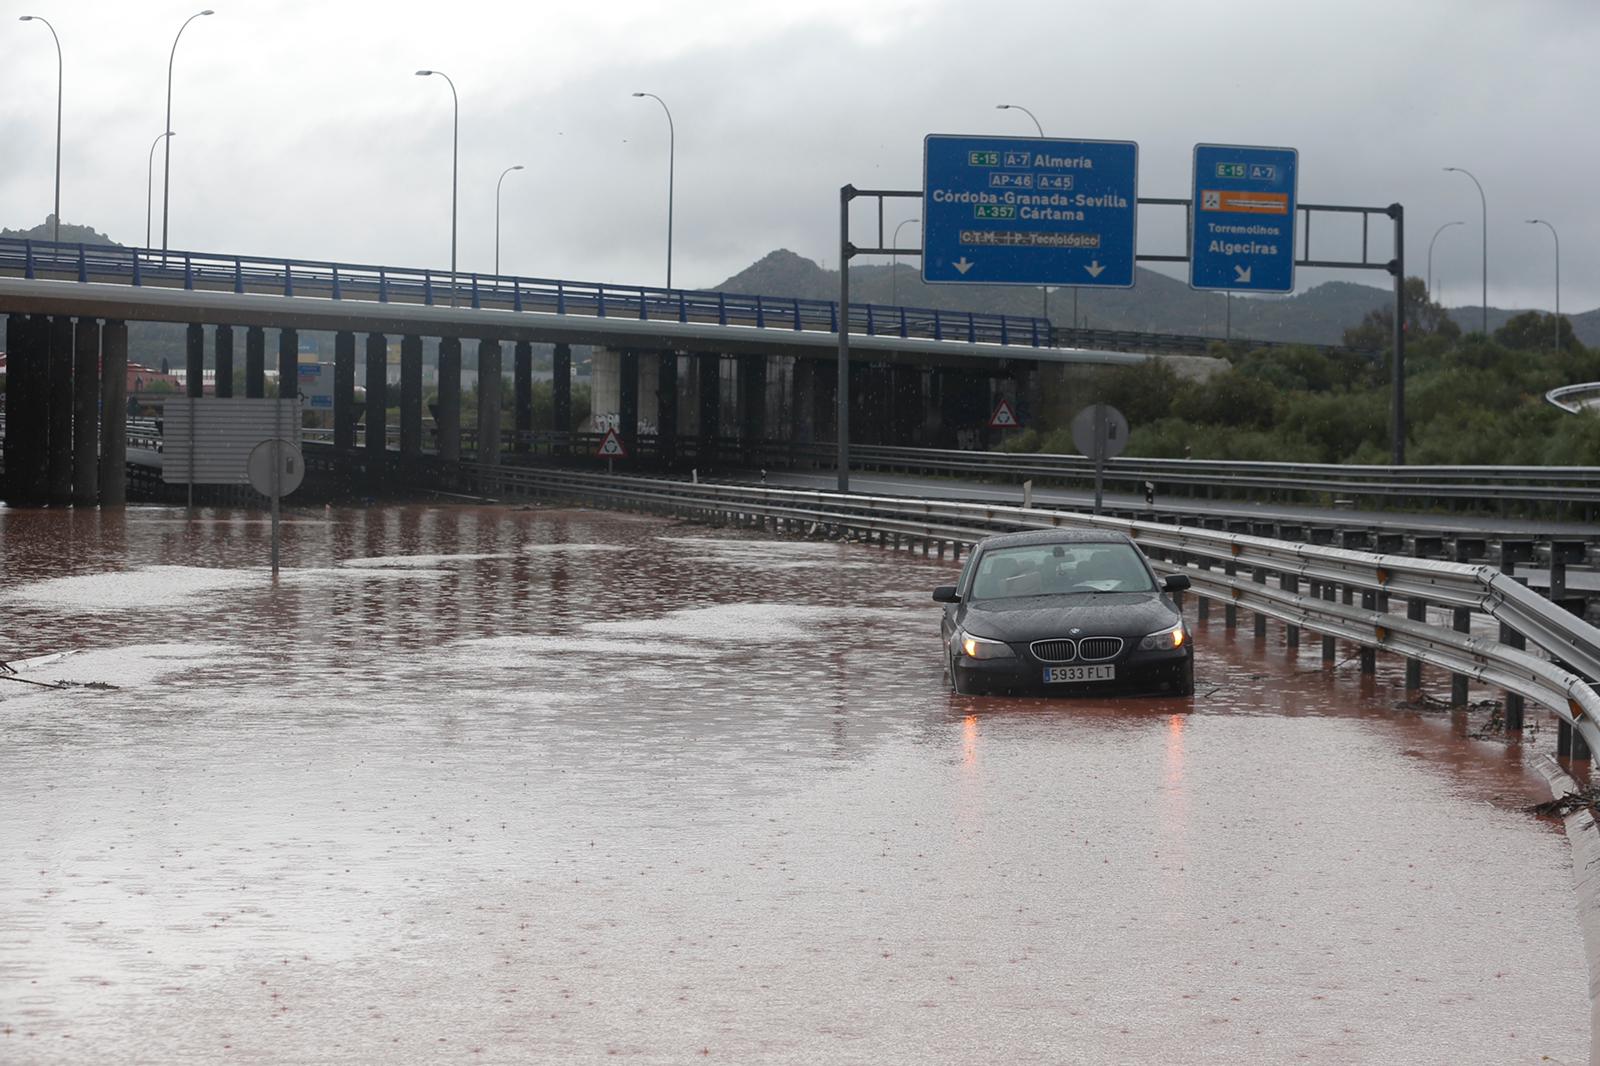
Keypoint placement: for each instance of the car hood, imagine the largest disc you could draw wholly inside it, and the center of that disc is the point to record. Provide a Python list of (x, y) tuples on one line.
[(1126, 614)]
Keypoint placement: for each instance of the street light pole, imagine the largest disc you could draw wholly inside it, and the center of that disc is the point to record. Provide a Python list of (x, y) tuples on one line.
[(1043, 288), (1483, 202), (497, 185), (59, 76), (1557, 236), (894, 262), (672, 151), (1436, 233), (455, 158), (150, 183), (166, 161)]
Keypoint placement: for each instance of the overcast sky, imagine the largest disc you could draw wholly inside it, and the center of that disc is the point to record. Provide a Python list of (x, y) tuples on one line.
[(302, 131)]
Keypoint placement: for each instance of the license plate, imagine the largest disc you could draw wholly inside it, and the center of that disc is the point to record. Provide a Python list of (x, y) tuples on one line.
[(1057, 674)]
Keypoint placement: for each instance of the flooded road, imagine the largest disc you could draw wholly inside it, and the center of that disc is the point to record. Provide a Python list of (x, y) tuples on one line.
[(521, 785)]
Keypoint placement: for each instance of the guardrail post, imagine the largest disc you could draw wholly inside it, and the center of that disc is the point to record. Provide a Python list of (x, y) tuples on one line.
[(83, 265), (1259, 576), (1202, 602), (383, 286), (1512, 553), (338, 294), (1330, 647), (138, 269), (1369, 654), (1291, 634), (28, 271), (1417, 611), (1230, 611)]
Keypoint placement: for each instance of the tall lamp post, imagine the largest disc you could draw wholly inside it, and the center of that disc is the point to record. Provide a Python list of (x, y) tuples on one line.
[(497, 185), (1436, 233), (1557, 236), (455, 158), (1484, 204), (52, 29), (150, 183), (894, 261), (1043, 288), (672, 148), (166, 160)]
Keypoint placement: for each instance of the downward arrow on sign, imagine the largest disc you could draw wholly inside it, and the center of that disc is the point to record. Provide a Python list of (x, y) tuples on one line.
[(1242, 273), (963, 265), (1094, 268)]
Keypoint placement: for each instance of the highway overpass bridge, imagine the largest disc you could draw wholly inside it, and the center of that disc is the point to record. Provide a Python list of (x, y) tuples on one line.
[(672, 363)]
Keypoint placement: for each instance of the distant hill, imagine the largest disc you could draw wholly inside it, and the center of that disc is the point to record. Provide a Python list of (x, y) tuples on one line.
[(1156, 304), (71, 233)]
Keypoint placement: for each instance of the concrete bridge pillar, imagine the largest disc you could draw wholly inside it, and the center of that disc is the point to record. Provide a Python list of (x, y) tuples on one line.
[(377, 408), (288, 364), (60, 431), (114, 413), (410, 397), (255, 363), (628, 399), (708, 389), (803, 419), (489, 389), (26, 398), (448, 414), (344, 390), (752, 379), (224, 360), (522, 396), (86, 413), (667, 409), (194, 361), (561, 389)]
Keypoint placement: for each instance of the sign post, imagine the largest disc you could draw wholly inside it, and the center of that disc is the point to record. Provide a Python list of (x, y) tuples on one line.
[(275, 469), (1101, 432), (1029, 211), (1242, 237), (611, 448)]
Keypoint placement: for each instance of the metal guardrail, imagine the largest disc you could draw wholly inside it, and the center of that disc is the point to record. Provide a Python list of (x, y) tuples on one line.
[(1212, 559), (220, 272), (1566, 396)]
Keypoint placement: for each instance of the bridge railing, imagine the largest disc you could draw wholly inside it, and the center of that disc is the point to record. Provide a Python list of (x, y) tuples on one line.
[(214, 272), (1556, 669)]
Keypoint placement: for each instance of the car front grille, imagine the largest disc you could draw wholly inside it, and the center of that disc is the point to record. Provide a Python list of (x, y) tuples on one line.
[(1099, 649), (1055, 651)]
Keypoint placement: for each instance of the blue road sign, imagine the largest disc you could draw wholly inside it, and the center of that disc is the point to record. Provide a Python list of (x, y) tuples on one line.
[(1029, 211), (1244, 218)]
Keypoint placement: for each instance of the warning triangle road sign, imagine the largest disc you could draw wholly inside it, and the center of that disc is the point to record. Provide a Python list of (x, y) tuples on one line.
[(1004, 417), (611, 446)]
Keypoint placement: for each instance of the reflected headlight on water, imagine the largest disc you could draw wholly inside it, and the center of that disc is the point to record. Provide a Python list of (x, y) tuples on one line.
[(980, 648), (1166, 640)]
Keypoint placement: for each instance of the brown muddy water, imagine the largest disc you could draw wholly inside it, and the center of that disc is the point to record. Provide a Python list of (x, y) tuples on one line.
[(488, 784)]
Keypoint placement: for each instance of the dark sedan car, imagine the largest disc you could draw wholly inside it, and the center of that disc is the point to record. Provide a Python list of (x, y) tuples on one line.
[(1062, 610)]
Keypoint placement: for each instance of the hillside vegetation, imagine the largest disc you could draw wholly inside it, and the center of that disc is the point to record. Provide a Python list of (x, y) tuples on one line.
[(1470, 399)]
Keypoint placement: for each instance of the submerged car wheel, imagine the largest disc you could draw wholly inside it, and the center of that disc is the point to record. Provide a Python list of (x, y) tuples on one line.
[(1184, 684)]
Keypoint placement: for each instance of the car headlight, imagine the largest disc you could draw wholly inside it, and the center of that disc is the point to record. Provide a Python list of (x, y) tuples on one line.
[(981, 648), (1166, 640)]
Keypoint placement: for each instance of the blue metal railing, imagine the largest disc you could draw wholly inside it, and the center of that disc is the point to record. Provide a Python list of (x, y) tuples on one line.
[(208, 271)]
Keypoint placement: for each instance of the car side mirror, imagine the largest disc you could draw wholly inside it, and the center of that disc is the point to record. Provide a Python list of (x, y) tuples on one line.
[(1175, 582), (946, 594)]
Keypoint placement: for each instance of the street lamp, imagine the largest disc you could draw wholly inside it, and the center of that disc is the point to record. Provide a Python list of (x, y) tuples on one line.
[(1043, 288), (166, 161), (455, 156), (1436, 233), (1484, 203), (497, 184), (894, 262), (672, 148), (150, 182), (1557, 236), (52, 29)]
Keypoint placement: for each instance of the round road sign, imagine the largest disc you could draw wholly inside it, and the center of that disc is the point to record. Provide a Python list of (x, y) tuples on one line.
[(1100, 431), (275, 467)]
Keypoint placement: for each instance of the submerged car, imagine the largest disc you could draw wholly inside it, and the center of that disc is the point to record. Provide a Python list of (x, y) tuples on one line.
[(1062, 610)]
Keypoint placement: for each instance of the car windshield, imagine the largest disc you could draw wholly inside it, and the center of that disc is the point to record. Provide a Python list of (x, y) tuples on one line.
[(1056, 569)]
